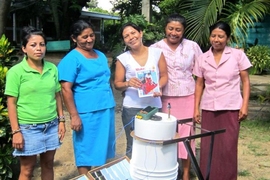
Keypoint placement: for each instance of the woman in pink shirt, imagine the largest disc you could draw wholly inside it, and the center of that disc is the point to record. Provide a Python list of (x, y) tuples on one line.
[(219, 73), (180, 55)]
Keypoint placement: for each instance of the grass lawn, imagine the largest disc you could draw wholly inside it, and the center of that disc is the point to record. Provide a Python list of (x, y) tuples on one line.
[(254, 150)]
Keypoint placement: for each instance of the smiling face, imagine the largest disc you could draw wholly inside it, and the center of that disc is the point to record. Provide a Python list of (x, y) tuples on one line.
[(85, 40), (218, 39), (132, 37), (174, 32), (35, 48)]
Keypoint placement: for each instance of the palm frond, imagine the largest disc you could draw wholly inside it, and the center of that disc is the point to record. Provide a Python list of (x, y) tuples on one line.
[(241, 16), (200, 15)]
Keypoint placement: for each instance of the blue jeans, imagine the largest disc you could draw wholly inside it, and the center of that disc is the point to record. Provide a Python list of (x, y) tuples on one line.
[(39, 138), (128, 116)]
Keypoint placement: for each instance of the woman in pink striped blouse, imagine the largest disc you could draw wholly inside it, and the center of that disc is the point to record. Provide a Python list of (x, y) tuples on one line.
[(180, 55)]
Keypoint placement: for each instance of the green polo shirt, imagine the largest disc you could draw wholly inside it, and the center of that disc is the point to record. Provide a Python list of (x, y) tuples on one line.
[(35, 92)]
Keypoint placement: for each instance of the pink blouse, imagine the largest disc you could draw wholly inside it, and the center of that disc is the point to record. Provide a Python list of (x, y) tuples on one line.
[(222, 82), (180, 65)]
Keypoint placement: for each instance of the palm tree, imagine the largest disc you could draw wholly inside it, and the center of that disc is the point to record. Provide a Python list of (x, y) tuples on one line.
[(200, 16), (240, 14)]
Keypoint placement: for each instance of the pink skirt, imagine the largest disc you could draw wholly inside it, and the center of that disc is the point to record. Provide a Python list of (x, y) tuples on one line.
[(182, 107)]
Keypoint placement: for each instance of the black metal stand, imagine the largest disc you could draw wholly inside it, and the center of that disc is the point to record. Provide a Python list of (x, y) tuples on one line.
[(186, 141)]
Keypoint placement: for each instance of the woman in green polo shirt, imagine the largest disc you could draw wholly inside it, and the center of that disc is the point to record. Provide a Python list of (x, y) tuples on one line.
[(34, 103)]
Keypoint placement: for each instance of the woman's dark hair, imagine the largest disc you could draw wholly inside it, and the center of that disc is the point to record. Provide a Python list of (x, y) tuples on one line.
[(28, 31), (223, 26), (80, 25), (135, 26), (178, 18)]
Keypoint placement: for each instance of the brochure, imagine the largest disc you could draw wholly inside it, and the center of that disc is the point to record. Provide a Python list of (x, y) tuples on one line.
[(149, 81)]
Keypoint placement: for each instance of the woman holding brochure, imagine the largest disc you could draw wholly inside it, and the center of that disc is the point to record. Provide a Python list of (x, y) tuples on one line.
[(130, 66)]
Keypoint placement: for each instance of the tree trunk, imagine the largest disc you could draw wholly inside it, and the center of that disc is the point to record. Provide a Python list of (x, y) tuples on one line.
[(146, 8), (4, 10), (65, 19), (54, 4)]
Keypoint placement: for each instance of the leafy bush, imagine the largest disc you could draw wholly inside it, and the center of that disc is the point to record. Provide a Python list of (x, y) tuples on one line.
[(7, 57), (6, 158), (259, 57)]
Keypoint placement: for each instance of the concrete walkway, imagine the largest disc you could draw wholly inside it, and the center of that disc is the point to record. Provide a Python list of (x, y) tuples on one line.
[(259, 85)]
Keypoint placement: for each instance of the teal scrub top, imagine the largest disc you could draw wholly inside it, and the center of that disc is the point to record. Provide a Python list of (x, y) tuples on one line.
[(90, 78)]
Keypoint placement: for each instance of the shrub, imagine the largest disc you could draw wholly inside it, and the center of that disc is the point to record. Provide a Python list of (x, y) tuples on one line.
[(7, 57), (259, 57), (6, 157)]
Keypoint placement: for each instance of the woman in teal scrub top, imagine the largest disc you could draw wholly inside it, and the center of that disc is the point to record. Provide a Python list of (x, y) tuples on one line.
[(85, 79)]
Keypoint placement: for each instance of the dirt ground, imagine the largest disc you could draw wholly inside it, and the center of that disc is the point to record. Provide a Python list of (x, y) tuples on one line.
[(258, 167), (64, 160)]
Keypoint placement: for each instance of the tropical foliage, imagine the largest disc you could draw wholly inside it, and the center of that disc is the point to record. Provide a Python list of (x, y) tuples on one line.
[(6, 52), (259, 57), (61, 12), (131, 7), (201, 15), (6, 158), (64, 14), (92, 4), (242, 15)]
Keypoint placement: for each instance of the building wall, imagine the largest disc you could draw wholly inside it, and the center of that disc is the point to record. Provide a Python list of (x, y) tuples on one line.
[(97, 27), (260, 33)]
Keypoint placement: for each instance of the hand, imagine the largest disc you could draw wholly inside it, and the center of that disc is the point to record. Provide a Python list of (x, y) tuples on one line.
[(197, 116), (243, 113), (17, 141), (61, 131), (134, 82), (157, 94), (76, 123)]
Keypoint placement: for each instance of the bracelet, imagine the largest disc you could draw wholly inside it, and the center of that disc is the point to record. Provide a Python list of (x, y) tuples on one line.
[(61, 119), (15, 131)]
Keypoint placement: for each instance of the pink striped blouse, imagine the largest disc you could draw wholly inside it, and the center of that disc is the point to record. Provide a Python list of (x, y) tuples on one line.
[(180, 63)]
